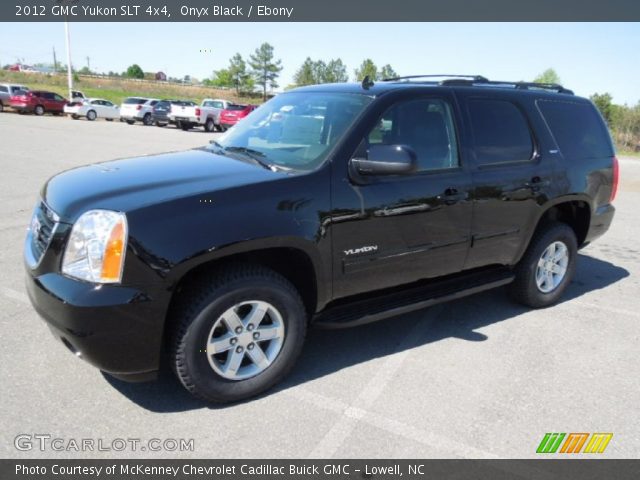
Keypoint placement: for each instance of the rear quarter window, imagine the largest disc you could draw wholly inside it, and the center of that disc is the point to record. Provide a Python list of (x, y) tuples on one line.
[(579, 130)]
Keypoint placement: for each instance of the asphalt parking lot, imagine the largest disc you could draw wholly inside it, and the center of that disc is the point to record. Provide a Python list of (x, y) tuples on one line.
[(476, 378)]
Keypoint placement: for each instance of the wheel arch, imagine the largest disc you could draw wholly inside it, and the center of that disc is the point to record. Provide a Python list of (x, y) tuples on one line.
[(574, 210), (291, 258)]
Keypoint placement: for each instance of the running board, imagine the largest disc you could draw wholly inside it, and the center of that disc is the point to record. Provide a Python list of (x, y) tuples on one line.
[(415, 298)]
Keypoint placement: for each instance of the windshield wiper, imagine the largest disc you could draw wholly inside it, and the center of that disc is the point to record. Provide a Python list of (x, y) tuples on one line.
[(254, 155)]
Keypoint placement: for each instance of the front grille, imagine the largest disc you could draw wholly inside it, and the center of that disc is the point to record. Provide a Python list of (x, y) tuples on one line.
[(42, 227)]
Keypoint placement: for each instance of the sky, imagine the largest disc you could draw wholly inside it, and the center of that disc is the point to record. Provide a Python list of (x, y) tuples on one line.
[(589, 57)]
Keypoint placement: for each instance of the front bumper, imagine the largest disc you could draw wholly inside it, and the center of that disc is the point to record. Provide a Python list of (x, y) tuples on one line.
[(115, 328)]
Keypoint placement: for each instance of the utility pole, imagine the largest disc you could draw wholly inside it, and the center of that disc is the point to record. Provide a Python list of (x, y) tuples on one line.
[(88, 63), (69, 76), (55, 61)]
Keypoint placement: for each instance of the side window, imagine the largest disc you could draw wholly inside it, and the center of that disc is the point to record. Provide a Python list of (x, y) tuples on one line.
[(4, 89), (425, 125), (578, 129), (49, 96), (58, 97), (500, 131)]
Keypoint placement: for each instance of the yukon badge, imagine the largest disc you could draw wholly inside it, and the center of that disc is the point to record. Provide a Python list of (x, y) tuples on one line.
[(356, 251)]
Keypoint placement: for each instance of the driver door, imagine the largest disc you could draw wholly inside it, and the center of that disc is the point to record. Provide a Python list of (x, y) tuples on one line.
[(390, 230)]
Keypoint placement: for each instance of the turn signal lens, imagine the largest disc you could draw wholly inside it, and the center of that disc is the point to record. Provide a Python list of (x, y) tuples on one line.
[(114, 254)]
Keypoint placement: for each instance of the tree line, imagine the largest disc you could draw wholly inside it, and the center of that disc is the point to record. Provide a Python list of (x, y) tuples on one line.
[(262, 69)]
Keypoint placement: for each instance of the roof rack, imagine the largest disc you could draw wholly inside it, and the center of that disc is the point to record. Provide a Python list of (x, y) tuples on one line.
[(479, 80)]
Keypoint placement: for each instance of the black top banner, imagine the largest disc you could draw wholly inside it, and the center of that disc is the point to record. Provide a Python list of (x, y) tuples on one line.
[(318, 10)]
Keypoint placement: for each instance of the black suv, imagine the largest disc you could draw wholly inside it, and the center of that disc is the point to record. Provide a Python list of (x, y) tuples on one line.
[(332, 204)]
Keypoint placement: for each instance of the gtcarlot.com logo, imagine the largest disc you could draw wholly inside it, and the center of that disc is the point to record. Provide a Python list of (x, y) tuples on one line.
[(44, 442), (573, 443)]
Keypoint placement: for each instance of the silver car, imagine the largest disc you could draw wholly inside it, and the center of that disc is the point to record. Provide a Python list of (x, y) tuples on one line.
[(6, 91)]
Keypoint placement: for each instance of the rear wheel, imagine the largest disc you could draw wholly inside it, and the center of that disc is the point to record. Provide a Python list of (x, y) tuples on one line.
[(39, 110), (147, 120), (547, 267), (209, 126), (74, 116), (185, 126), (109, 119), (237, 333), (91, 115)]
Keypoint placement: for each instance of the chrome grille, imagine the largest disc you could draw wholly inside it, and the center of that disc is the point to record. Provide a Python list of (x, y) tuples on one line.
[(43, 224)]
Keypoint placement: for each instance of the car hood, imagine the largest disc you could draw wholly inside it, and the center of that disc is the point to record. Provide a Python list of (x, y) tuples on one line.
[(128, 184)]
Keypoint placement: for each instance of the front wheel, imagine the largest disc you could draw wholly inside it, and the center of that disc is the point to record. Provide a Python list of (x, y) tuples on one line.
[(147, 120), (548, 266), (237, 332)]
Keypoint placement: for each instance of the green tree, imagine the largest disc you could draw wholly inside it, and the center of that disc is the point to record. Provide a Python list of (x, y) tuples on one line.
[(336, 72), (605, 105), (264, 68), (134, 71), (305, 75), (222, 78), (548, 76), (387, 72), (367, 68), (239, 75)]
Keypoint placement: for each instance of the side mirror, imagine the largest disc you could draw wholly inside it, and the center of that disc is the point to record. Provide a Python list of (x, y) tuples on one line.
[(387, 160)]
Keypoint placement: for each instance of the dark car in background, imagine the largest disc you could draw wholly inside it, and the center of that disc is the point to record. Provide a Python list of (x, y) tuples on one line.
[(233, 114), (160, 113), (38, 102)]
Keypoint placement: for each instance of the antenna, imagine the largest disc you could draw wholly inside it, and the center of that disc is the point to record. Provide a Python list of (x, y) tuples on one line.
[(367, 83)]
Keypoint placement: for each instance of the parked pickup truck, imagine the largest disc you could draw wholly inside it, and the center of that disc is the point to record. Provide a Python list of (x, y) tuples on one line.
[(206, 115), (329, 205)]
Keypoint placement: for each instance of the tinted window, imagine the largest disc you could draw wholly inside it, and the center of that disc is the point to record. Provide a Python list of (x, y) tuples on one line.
[(57, 97), (500, 131), (135, 101), (426, 126), (236, 107), (48, 95), (578, 129), (4, 89), (153, 102), (18, 88)]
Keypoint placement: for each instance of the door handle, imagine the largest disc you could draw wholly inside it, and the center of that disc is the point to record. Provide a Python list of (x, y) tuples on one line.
[(536, 183), (451, 195)]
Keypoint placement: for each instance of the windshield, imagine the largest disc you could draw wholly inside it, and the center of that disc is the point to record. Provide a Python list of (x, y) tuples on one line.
[(295, 130)]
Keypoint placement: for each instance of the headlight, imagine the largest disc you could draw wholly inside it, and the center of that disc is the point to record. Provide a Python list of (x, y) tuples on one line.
[(96, 247)]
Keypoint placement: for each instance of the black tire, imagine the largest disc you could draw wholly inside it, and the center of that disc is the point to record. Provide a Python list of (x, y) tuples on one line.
[(158, 124), (209, 126), (525, 289), (130, 122), (185, 127), (74, 116), (91, 115), (109, 119), (219, 127), (147, 120), (38, 110), (202, 303), (1, 107)]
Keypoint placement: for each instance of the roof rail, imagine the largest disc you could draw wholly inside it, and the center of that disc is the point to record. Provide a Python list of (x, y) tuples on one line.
[(479, 80)]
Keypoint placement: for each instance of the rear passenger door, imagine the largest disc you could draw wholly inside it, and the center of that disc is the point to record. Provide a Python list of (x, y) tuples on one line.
[(511, 177)]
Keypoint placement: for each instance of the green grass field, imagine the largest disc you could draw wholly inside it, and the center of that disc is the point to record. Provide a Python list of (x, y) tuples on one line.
[(117, 89)]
